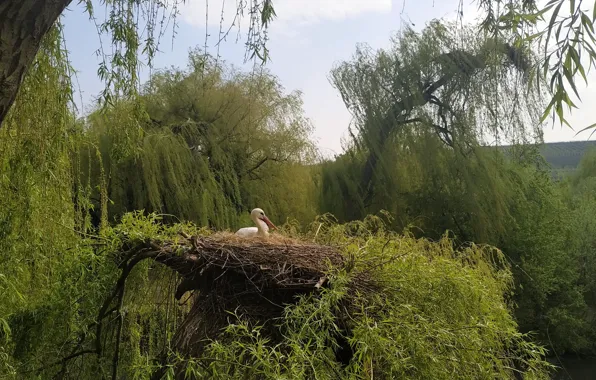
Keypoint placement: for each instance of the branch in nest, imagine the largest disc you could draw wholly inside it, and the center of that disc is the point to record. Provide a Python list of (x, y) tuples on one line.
[(321, 282)]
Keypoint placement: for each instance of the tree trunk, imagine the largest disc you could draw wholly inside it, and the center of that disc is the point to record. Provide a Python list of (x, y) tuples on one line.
[(23, 23)]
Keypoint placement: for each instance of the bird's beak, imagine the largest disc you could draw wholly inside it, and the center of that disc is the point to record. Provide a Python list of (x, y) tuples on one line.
[(268, 222)]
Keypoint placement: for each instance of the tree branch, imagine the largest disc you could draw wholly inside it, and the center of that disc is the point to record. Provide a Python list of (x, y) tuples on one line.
[(118, 333), (142, 255), (258, 165), (66, 359)]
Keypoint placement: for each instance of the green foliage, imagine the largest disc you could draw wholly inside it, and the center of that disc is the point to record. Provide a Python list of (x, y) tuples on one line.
[(580, 194), (208, 143), (432, 182), (441, 313), (549, 297), (484, 197), (42, 265), (563, 30), (215, 142)]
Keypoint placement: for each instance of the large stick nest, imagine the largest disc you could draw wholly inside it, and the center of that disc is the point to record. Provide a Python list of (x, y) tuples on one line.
[(255, 278)]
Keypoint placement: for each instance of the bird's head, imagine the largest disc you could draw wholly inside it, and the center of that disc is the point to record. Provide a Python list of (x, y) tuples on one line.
[(259, 214)]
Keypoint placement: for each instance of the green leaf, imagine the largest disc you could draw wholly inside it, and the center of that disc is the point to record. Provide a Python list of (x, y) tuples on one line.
[(558, 32), (533, 36), (587, 23), (591, 53), (577, 62), (267, 13), (547, 110), (555, 78), (569, 77), (568, 101), (547, 8), (591, 126), (591, 36), (551, 24), (560, 113), (5, 327)]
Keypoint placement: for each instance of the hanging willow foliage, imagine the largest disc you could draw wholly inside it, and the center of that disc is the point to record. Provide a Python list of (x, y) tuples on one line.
[(563, 31), (421, 110), (466, 87), (135, 29), (38, 244), (215, 143)]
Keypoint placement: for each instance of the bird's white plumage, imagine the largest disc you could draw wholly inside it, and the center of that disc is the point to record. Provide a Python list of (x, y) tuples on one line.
[(248, 232), (262, 229)]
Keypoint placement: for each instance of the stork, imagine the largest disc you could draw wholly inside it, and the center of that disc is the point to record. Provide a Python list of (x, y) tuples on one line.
[(263, 224)]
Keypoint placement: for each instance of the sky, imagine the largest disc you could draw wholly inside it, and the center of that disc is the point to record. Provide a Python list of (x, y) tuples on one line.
[(306, 39)]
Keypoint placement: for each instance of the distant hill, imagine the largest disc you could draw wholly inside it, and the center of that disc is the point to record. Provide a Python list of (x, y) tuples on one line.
[(565, 155)]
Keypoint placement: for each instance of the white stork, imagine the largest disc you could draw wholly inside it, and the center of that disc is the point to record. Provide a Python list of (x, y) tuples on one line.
[(263, 224)]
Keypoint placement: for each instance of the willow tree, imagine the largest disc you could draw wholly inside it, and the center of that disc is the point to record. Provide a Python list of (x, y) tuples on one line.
[(464, 86), (216, 143), (38, 240)]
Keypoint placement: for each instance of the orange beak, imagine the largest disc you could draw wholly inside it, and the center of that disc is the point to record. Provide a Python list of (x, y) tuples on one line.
[(268, 222)]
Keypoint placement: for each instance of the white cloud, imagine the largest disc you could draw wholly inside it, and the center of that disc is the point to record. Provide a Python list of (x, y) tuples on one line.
[(312, 11), (289, 12)]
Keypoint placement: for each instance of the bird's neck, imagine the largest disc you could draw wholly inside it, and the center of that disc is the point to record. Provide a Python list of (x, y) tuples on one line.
[(262, 227)]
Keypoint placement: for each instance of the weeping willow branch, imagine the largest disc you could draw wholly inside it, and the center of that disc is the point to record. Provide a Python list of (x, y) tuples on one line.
[(257, 165), (132, 259), (127, 266), (66, 359), (118, 333)]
